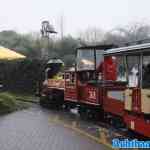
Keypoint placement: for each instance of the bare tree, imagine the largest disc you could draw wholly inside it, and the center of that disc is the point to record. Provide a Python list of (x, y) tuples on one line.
[(92, 35), (128, 34), (61, 25)]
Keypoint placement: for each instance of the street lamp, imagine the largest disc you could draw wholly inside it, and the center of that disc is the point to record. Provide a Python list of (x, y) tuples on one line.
[(46, 30)]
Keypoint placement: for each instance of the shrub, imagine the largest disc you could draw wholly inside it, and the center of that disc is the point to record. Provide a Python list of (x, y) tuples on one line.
[(7, 103)]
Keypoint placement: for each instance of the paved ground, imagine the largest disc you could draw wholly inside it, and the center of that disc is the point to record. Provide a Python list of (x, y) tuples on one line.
[(31, 130)]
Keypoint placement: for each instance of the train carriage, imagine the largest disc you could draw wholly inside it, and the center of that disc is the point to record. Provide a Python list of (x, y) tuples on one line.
[(135, 69)]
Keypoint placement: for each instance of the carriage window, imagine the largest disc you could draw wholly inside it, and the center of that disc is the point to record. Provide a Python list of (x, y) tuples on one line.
[(133, 63), (70, 79), (67, 76), (121, 69), (85, 76), (99, 57), (85, 60), (146, 72)]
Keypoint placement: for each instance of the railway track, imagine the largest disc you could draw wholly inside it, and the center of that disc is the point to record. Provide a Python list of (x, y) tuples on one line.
[(112, 130)]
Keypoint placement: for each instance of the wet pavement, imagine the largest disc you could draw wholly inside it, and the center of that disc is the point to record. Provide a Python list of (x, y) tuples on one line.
[(32, 129)]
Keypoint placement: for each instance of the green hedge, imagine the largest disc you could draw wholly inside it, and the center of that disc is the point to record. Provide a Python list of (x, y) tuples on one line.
[(21, 75)]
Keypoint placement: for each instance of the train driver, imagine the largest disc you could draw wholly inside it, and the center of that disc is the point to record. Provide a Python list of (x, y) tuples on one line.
[(108, 68)]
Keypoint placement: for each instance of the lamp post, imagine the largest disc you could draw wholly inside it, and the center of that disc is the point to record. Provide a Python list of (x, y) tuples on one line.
[(46, 30)]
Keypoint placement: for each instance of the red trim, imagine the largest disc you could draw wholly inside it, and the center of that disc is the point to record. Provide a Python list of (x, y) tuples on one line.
[(71, 100), (111, 105), (136, 100), (88, 94), (114, 106), (86, 102), (70, 94), (141, 125)]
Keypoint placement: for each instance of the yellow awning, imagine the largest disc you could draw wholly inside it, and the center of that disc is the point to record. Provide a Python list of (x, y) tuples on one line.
[(7, 54)]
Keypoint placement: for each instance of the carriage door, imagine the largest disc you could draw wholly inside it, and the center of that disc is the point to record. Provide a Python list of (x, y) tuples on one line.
[(70, 86), (133, 93), (145, 93)]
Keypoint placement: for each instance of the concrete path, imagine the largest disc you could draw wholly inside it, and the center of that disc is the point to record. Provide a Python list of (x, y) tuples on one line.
[(31, 130)]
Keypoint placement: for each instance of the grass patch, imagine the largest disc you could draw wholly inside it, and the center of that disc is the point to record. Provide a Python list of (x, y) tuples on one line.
[(24, 97), (9, 103)]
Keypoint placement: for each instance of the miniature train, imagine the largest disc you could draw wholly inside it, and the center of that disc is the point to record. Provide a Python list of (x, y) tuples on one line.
[(107, 83)]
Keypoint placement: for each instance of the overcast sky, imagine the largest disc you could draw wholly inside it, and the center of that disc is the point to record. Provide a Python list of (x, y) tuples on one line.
[(26, 15)]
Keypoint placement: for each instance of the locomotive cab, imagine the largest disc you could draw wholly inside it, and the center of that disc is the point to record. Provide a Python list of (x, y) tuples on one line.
[(87, 88), (88, 61)]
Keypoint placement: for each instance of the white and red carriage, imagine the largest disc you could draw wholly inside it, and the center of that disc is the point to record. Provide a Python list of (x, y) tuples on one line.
[(136, 64)]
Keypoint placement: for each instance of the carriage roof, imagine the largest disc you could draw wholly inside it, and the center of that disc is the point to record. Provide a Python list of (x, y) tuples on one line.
[(97, 47), (140, 48)]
